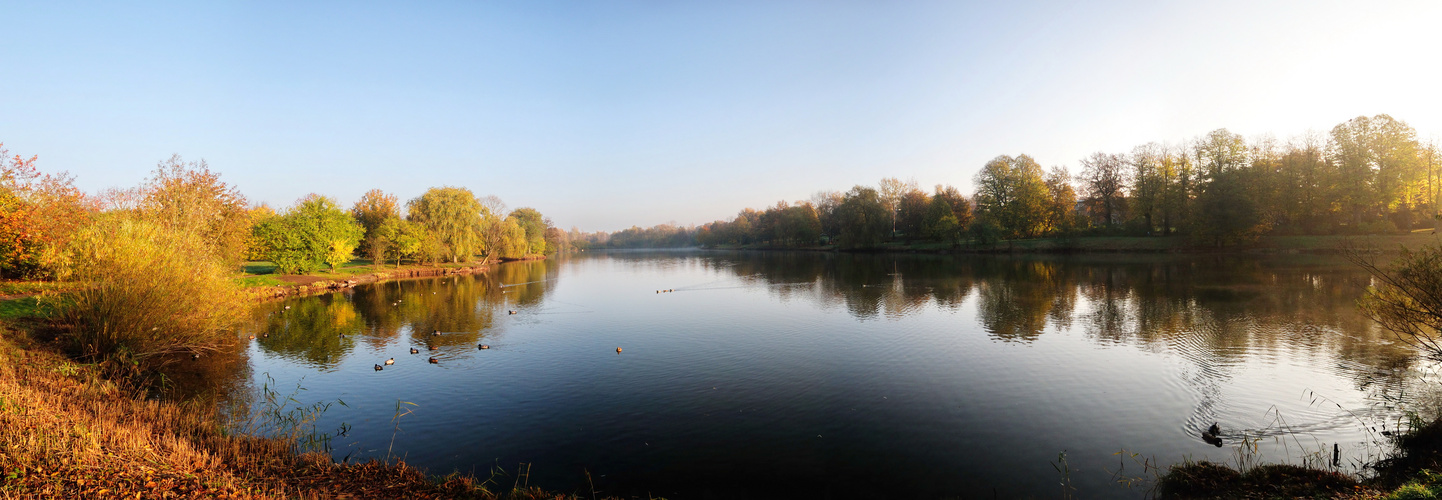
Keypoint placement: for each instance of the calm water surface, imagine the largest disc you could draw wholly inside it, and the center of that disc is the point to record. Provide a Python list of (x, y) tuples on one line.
[(815, 375)]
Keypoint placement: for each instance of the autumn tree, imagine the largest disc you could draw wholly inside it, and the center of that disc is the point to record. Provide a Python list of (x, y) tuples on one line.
[(557, 239), (189, 197), (1220, 151), (960, 207), (372, 210), (1011, 194), (910, 212), (1061, 201), (39, 214)]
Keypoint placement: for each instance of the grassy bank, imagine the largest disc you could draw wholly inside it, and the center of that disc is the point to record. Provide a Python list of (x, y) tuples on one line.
[(260, 279), (1412, 472), (68, 432)]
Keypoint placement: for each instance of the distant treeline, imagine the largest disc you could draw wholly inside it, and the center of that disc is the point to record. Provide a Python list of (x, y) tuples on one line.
[(1368, 175)]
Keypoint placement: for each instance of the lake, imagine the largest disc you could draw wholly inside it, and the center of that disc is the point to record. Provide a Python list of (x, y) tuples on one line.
[(823, 375)]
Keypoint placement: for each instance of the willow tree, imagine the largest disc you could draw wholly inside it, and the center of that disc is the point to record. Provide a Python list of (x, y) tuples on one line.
[(454, 217), (1011, 194)]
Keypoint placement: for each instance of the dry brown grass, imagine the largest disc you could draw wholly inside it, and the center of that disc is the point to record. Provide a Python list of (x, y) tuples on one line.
[(67, 433)]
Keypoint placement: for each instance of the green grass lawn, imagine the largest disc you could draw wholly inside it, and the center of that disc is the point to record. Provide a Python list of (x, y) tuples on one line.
[(262, 273), (25, 307), (262, 280), (258, 267), (26, 287)]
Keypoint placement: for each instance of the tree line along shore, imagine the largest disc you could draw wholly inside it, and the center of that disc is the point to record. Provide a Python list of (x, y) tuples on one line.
[(1366, 176)]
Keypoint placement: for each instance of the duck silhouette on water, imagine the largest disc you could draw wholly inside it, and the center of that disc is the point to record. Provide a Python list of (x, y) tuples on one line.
[(1212, 435)]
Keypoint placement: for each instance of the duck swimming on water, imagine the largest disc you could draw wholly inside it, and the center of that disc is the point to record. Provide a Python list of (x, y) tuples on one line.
[(415, 351), (379, 368), (391, 361), (1212, 435), (434, 360)]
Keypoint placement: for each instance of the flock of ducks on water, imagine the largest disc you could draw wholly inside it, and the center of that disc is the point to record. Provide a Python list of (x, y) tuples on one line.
[(434, 347)]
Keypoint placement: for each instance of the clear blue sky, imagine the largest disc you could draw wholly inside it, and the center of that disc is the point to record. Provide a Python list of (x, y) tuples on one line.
[(607, 114)]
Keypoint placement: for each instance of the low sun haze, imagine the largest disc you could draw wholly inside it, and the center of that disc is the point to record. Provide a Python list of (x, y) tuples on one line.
[(612, 114)]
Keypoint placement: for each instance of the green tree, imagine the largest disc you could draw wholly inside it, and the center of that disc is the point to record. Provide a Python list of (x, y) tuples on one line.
[(454, 217), (1225, 213), (863, 218), (910, 212), (940, 222), (399, 238), (315, 231), (1011, 193), (534, 226), (825, 203)]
